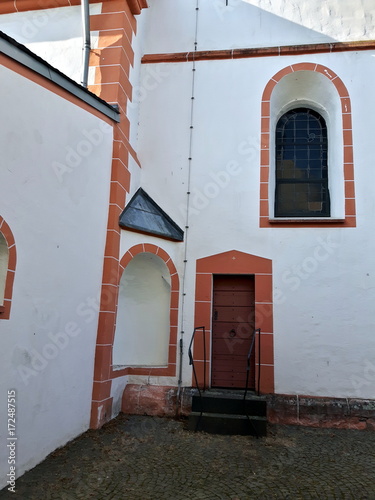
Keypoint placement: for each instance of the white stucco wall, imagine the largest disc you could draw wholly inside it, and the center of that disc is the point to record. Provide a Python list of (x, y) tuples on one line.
[(55, 170), (53, 34), (256, 23), (323, 319)]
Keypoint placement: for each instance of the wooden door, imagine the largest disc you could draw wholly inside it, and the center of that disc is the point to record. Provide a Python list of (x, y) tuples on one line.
[(232, 330)]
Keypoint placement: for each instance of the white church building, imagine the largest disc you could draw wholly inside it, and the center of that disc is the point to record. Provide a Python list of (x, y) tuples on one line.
[(217, 172)]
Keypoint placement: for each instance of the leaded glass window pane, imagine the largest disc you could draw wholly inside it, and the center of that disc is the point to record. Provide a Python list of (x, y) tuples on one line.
[(301, 165)]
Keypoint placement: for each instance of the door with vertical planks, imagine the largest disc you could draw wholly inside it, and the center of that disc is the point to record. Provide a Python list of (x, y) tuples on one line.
[(233, 323)]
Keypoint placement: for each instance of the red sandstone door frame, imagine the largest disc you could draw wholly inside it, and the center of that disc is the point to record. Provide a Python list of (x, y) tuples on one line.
[(236, 263)]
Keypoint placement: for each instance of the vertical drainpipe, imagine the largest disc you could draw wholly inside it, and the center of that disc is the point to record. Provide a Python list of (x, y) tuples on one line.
[(181, 344), (85, 9)]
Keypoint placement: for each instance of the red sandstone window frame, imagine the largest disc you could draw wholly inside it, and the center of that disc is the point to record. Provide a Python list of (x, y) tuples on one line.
[(170, 369), (265, 220), (9, 280)]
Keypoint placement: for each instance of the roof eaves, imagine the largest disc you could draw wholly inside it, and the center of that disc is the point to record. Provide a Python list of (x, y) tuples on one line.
[(21, 54)]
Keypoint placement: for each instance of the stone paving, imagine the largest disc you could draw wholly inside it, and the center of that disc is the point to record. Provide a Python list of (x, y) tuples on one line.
[(147, 458)]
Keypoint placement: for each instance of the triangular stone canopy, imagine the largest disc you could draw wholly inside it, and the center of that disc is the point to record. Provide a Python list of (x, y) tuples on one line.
[(144, 215)]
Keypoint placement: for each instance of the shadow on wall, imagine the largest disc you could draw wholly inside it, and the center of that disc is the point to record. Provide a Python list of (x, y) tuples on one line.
[(248, 25), (240, 25)]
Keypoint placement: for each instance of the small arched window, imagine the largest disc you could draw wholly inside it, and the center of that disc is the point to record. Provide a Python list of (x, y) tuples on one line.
[(301, 165), (7, 268)]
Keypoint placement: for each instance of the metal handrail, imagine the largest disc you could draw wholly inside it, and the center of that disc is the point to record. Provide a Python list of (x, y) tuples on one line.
[(191, 362), (258, 391), (191, 359), (257, 331), (248, 361)]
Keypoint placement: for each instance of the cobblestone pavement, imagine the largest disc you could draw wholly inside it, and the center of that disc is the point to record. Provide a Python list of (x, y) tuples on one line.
[(149, 458)]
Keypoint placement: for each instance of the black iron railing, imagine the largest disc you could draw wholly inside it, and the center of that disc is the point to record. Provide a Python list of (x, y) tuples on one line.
[(191, 362), (191, 359), (248, 367)]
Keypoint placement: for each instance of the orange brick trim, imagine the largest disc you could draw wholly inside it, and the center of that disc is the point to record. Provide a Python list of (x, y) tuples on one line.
[(12, 259), (234, 262), (286, 50), (136, 6), (9, 6), (170, 370), (348, 167), (101, 412), (112, 61)]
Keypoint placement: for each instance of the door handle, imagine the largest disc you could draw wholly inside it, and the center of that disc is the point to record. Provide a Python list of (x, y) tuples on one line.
[(232, 333)]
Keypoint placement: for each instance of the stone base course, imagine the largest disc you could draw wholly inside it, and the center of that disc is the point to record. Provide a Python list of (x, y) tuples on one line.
[(308, 411), (322, 412)]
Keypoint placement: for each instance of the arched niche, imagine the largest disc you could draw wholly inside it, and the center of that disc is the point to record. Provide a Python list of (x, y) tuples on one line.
[(143, 315)]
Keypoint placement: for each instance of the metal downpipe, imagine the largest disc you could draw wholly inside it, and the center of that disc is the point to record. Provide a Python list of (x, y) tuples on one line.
[(181, 343), (85, 10)]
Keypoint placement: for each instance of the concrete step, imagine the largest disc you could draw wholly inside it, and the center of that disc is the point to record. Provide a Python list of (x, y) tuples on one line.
[(212, 402), (221, 423)]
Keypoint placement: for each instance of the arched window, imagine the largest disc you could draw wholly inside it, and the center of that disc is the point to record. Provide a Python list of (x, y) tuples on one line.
[(8, 260), (301, 165)]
